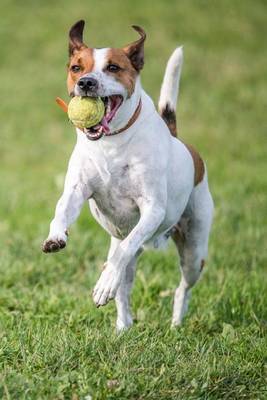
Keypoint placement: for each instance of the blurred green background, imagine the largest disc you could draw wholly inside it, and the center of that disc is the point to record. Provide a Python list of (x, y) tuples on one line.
[(54, 344)]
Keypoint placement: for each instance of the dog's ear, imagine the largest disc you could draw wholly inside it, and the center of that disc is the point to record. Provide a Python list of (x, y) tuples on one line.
[(135, 50), (76, 36)]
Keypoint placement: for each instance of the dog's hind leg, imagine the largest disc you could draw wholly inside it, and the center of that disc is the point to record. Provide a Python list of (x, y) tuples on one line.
[(191, 239), (122, 299)]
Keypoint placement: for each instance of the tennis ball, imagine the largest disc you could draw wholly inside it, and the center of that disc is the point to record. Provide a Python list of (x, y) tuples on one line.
[(85, 112)]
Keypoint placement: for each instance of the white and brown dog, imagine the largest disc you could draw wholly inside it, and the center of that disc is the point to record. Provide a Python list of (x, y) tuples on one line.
[(142, 183)]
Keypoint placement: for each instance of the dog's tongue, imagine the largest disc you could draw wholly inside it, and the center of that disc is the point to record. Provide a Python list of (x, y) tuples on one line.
[(104, 124), (102, 127), (115, 103)]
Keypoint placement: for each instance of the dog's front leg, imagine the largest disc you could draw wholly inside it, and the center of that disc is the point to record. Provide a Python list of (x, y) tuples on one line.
[(67, 210), (151, 218)]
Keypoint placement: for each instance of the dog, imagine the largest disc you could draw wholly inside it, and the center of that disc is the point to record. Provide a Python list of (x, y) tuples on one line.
[(142, 183)]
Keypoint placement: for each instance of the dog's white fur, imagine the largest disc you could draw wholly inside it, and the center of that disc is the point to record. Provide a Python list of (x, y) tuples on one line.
[(139, 184)]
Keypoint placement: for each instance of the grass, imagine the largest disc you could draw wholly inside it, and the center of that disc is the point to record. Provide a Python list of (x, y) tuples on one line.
[(54, 343)]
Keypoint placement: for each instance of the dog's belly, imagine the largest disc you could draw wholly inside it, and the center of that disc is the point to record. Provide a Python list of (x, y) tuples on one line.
[(118, 216)]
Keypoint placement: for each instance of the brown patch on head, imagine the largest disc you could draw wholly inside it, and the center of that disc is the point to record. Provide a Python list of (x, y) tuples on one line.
[(84, 61), (198, 164), (170, 118), (130, 61), (126, 74), (81, 57)]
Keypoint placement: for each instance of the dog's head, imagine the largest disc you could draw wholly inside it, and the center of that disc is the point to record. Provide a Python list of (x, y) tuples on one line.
[(109, 73)]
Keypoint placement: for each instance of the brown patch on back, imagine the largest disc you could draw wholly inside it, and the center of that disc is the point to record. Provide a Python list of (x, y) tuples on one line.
[(170, 118), (127, 74), (198, 164), (84, 58)]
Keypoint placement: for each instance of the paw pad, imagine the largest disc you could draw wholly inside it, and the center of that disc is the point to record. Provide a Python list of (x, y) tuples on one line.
[(52, 246)]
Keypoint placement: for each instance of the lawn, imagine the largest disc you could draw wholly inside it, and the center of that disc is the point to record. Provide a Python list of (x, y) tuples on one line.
[(54, 343)]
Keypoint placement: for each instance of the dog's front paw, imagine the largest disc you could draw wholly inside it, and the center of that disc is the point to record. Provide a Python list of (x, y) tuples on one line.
[(107, 286), (52, 245)]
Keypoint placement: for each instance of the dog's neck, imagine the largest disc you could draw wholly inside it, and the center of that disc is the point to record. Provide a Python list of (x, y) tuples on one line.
[(128, 109)]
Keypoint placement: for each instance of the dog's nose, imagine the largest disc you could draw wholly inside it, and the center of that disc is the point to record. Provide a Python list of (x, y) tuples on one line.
[(88, 83)]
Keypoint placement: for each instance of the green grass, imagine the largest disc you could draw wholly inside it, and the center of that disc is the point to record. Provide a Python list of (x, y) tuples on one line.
[(54, 344)]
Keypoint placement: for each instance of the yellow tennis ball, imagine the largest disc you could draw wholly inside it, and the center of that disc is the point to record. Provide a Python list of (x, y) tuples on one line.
[(85, 112)]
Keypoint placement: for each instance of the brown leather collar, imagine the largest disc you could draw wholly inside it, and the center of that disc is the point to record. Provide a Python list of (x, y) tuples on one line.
[(130, 122)]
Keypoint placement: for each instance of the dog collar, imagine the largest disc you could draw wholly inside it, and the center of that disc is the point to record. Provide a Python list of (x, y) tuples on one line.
[(130, 122)]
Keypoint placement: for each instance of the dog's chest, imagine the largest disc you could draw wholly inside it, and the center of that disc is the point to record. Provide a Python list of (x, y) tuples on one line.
[(113, 204)]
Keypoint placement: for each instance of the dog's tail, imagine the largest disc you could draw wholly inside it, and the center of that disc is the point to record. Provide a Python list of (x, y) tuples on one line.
[(170, 89)]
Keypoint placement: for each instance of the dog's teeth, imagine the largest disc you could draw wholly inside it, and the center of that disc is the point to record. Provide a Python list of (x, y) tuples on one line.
[(108, 109)]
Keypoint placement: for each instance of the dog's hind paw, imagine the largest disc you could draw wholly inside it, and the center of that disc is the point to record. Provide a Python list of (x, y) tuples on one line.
[(53, 245)]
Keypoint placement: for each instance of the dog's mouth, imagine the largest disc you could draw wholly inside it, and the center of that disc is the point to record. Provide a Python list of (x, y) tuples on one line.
[(112, 104)]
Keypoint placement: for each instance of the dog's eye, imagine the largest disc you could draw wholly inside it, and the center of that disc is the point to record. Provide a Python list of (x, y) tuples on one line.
[(113, 68), (75, 68)]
